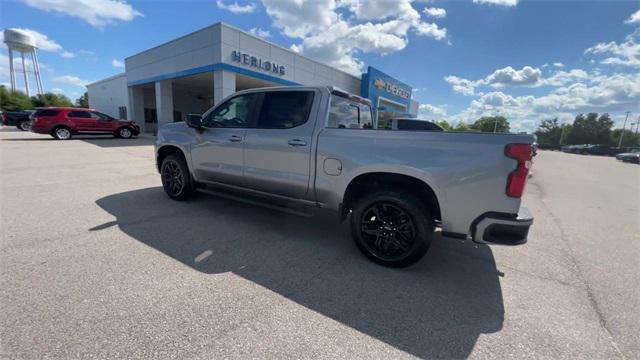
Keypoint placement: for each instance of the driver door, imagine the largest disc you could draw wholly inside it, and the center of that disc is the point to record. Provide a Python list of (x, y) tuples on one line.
[(217, 152), (104, 123)]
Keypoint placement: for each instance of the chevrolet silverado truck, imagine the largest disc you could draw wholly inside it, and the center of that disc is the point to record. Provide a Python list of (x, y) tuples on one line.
[(318, 147)]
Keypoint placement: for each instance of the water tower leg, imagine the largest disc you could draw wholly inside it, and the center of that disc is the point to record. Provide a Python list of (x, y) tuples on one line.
[(12, 70), (26, 78), (36, 68)]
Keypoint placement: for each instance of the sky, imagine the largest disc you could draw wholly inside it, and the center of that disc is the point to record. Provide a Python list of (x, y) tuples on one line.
[(526, 60)]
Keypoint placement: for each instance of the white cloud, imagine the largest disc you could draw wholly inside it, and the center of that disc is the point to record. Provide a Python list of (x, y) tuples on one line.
[(634, 18), (497, 2), (509, 76), (57, 90), (236, 8), (98, 13), (558, 64), (260, 32), (67, 54), (428, 111), (604, 93), (460, 85), (626, 53), (561, 78), (437, 13), (71, 80), (117, 63), (335, 31)]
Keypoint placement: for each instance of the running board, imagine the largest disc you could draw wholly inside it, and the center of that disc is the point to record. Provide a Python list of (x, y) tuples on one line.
[(258, 201)]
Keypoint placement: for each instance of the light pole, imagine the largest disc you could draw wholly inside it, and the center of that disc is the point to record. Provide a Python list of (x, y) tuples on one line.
[(562, 134), (622, 133)]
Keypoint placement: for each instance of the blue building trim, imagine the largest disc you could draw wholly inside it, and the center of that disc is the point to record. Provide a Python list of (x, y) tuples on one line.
[(211, 68)]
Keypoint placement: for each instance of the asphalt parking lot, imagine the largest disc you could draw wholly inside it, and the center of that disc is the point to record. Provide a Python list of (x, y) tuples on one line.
[(96, 262)]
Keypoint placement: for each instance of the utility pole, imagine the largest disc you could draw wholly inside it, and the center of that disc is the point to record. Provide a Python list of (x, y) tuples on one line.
[(562, 134), (637, 123), (622, 133), (495, 124)]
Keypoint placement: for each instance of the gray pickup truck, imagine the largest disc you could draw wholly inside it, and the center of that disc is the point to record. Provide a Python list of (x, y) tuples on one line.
[(318, 147)]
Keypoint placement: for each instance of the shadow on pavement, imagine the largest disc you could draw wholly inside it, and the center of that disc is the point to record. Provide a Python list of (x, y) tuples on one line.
[(105, 141), (435, 309)]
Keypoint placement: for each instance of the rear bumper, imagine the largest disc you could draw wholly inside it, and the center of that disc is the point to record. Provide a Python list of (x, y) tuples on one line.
[(503, 229)]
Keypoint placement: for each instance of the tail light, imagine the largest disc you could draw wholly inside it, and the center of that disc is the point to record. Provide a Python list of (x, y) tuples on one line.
[(517, 179)]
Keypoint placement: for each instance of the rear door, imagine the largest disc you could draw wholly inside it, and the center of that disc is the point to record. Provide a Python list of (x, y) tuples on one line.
[(82, 120), (277, 153)]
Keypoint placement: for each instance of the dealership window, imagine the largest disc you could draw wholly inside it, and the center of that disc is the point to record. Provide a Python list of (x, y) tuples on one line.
[(285, 109), (122, 112), (349, 114), (150, 115), (233, 113)]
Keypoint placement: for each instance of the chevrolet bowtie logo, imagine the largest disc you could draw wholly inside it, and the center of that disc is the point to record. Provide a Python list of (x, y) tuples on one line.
[(379, 83)]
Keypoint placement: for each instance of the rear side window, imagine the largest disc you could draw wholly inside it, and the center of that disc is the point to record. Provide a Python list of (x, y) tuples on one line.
[(348, 114), (285, 109), (79, 114), (46, 112)]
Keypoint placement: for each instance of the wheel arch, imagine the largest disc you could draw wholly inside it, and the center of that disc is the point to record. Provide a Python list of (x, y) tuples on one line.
[(166, 150), (372, 181)]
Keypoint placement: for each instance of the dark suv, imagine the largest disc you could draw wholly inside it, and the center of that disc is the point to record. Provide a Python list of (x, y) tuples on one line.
[(63, 123), (19, 119)]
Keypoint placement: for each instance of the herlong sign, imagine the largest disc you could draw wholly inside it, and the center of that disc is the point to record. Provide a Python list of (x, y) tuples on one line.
[(256, 62)]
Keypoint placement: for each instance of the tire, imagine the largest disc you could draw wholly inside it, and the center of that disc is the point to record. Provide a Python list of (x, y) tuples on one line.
[(124, 133), (392, 228), (24, 125), (62, 133), (176, 179)]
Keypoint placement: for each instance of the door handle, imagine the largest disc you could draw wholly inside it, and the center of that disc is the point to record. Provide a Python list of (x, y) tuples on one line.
[(235, 138), (297, 142)]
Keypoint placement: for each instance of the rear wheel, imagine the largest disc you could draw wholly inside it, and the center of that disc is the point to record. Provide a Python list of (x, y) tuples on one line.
[(125, 133), (176, 179), (392, 228), (24, 125), (62, 133)]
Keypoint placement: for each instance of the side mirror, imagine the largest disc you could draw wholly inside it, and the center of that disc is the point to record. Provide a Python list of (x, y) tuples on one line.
[(194, 121)]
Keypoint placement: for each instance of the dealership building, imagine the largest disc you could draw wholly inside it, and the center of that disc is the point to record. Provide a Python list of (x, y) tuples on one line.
[(192, 73)]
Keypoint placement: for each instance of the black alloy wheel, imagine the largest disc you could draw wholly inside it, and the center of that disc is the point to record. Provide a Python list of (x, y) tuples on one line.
[(176, 179), (392, 228), (389, 232)]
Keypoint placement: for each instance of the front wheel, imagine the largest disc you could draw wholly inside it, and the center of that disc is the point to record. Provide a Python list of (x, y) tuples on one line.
[(392, 228), (176, 179), (125, 133)]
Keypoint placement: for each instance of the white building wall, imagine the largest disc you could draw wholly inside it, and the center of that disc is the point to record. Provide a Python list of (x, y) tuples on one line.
[(109, 94)]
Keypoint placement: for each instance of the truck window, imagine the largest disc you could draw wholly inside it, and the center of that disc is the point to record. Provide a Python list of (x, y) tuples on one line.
[(348, 114), (285, 109), (234, 113)]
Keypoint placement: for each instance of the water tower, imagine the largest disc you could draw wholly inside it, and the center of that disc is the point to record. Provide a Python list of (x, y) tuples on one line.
[(23, 43)]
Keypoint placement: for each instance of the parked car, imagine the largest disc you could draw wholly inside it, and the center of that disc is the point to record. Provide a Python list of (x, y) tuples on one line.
[(633, 156), (64, 122), (592, 149), (414, 124), (317, 147), (19, 119)]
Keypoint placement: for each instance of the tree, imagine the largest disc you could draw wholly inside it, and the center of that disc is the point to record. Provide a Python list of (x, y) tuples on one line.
[(549, 133), (13, 100), (591, 129), (83, 101), (463, 126), (489, 123), (50, 99), (445, 125), (630, 138)]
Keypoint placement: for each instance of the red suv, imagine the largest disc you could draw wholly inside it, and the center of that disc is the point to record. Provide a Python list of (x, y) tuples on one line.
[(63, 123)]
